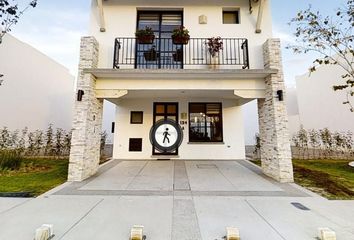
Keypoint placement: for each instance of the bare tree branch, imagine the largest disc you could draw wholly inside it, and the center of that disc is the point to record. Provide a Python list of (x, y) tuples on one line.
[(332, 38)]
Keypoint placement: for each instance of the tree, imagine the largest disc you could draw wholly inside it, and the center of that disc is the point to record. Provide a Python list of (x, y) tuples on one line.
[(21, 147), (31, 144), (67, 143), (49, 148), (303, 140), (331, 37), (315, 142), (10, 14), (257, 147), (58, 146), (327, 140), (38, 142), (103, 142)]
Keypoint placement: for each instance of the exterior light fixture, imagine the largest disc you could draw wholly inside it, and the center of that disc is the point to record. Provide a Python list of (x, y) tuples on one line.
[(280, 95), (80, 93)]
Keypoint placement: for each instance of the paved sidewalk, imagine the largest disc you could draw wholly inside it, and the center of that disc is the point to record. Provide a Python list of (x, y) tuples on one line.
[(178, 200)]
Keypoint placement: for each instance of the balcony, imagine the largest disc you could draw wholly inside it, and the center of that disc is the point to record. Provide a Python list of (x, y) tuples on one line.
[(163, 54)]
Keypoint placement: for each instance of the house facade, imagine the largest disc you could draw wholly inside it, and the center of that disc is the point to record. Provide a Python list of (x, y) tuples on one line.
[(185, 83)]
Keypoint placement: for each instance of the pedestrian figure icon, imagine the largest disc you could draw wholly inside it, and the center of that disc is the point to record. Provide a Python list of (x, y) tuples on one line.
[(165, 136)]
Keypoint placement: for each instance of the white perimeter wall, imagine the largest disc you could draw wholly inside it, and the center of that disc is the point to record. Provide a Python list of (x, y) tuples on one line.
[(320, 106), (121, 20), (233, 147), (36, 91)]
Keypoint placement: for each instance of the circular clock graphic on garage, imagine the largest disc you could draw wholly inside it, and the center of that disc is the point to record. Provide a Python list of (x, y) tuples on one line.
[(166, 135)]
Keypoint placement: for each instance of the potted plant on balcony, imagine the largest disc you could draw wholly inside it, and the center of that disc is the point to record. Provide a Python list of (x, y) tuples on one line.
[(145, 36), (180, 36), (178, 55), (214, 46), (151, 54)]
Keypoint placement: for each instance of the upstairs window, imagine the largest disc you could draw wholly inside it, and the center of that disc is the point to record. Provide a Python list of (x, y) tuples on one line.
[(231, 16)]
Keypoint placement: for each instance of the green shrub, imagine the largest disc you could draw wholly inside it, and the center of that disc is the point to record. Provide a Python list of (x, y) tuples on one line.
[(10, 160)]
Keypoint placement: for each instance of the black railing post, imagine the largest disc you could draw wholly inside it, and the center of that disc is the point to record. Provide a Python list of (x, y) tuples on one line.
[(116, 54), (246, 64)]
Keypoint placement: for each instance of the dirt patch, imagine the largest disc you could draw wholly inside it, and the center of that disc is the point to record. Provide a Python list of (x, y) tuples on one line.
[(321, 183)]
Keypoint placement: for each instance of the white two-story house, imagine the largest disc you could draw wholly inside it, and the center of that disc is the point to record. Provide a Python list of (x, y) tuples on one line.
[(183, 82)]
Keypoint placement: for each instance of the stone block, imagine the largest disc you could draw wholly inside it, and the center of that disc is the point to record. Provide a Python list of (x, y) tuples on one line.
[(137, 232), (232, 233), (45, 232), (325, 233)]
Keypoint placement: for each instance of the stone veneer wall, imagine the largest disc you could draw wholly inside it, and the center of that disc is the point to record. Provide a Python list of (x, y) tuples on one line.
[(87, 123), (273, 120)]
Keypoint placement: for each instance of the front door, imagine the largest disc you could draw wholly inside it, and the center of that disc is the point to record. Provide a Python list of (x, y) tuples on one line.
[(165, 110), (162, 52)]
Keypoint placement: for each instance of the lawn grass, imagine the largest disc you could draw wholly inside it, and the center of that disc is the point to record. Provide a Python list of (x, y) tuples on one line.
[(36, 175), (332, 179)]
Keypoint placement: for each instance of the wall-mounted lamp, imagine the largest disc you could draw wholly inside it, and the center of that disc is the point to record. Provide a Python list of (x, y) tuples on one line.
[(203, 19), (280, 95), (80, 93)]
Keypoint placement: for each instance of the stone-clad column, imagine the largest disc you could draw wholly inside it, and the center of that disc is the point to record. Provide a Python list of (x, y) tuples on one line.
[(87, 122), (273, 119)]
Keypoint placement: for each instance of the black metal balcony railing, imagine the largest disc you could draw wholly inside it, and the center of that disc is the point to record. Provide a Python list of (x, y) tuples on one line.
[(162, 53)]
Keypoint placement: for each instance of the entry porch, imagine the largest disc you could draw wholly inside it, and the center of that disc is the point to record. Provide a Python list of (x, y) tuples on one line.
[(143, 90)]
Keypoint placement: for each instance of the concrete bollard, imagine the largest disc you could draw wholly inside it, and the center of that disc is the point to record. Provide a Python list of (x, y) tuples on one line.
[(326, 234), (45, 232), (232, 233), (136, 233)]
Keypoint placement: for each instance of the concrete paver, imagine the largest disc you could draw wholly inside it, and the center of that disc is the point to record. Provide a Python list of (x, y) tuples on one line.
[(185, 221), (117, 178), (114, 217), (156, 175), (293, 223), (8, 203), (21, 222), (226, 176), (215, 214)]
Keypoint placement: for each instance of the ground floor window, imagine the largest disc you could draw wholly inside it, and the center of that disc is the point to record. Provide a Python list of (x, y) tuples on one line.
[(205, 122)]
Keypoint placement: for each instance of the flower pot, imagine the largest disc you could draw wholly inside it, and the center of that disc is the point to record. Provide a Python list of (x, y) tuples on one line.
[(214, 62), (178, 40), (178, 55), (151, 55), (147, 39)]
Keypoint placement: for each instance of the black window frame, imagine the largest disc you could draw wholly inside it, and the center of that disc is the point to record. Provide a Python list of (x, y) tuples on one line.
[(158, 33), (236, 12), (140, 148), (136, 112), (221, 122)]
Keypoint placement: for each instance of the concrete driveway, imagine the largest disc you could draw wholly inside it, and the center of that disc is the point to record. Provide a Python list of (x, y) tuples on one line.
[(179, 200)]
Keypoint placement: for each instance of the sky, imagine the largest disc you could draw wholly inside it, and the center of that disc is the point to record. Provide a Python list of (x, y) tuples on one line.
[(55, 28)]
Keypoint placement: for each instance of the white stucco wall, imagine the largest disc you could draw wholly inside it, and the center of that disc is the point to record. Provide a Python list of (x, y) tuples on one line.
[(121, 20), (320, 106), (37, 90), (232, 148)]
